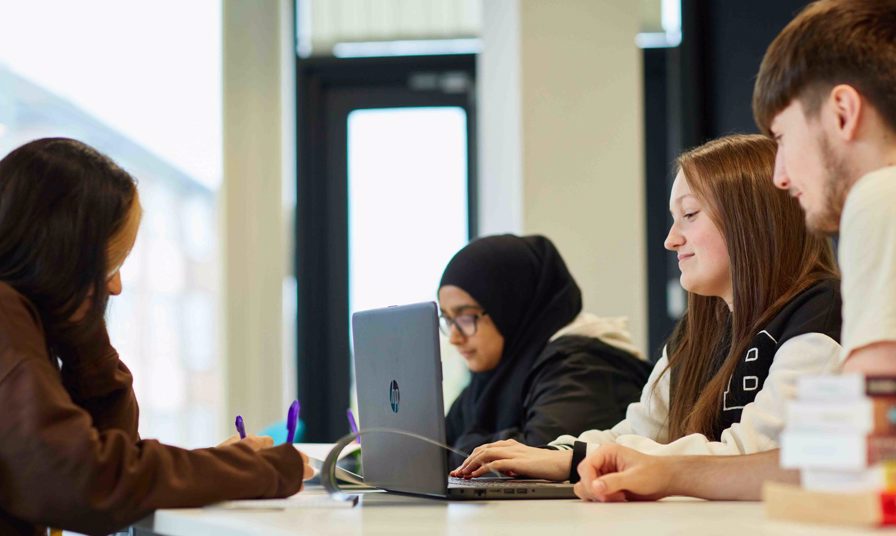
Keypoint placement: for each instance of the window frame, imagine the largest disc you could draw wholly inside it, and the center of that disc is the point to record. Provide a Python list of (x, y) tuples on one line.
[(327, 89)]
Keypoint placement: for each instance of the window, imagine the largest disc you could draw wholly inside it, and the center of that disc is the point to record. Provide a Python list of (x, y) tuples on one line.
[(385, 197), (407, 184), (101, 72)]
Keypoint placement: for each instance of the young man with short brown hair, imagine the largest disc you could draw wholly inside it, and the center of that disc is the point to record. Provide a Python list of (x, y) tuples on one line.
[(826, 91)]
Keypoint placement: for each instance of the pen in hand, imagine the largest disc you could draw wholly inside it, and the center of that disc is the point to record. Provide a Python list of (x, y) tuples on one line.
[(240, 427), (253, 442), (292, 418), (352, 424)]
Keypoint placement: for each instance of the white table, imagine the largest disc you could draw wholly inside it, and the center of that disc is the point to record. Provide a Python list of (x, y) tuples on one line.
[(390, 514)]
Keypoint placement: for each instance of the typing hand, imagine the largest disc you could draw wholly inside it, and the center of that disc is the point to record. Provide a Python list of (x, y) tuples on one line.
[(513, 458), (253, 441), (614, 473)]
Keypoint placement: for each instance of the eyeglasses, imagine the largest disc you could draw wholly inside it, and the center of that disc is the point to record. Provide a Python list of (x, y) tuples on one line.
[(465, 324)]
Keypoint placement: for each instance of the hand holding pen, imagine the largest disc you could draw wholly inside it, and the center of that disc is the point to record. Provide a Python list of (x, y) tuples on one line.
[(292, 422), (255, 442)]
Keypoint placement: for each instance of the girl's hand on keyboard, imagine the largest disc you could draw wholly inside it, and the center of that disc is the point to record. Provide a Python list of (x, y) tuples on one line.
[(515, 459)]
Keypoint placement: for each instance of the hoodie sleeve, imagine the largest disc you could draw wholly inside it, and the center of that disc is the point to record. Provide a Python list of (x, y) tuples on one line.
[(60, 470), (98, 381), (762, 420)]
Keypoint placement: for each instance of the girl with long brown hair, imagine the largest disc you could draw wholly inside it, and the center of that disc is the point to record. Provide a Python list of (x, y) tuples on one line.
[(763, 308), (71, 456)]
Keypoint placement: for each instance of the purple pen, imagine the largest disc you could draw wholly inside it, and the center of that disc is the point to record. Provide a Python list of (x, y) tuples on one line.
[(353, 425), (240, 427), (292, 418)]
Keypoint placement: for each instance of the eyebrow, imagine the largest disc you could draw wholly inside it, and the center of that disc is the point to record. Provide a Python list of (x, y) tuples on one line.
[(678, 199), (461, 308)]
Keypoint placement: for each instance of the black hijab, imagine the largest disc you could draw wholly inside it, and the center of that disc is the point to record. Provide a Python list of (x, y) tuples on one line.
[(526, 289)]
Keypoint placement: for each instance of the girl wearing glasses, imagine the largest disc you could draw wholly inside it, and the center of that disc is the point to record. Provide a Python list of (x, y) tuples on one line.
[(70, 454), (763, 308), (540, 367)]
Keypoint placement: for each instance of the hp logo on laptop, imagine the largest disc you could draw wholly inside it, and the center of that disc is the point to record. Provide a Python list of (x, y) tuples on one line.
[(394, 396)]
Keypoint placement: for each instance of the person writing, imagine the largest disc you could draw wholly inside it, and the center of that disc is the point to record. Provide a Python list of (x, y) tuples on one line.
[(71, 456)]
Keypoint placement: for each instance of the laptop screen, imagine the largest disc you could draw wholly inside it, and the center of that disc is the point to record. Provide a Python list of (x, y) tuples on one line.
[(398, 373)]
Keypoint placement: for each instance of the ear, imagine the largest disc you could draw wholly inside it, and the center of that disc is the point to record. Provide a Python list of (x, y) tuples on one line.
[(846, 107)]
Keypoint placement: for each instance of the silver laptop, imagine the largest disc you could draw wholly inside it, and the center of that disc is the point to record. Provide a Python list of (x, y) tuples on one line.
[(398, 372)]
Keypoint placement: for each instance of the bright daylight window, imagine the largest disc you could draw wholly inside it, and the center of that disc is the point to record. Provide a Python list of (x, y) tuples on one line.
[(407, 170), (140, 81), (408, 207)]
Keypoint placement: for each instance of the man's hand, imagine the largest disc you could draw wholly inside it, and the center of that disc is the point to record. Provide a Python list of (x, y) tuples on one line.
[(614, 473)]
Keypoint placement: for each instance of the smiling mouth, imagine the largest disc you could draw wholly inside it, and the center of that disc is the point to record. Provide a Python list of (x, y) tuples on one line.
[(685, 257)]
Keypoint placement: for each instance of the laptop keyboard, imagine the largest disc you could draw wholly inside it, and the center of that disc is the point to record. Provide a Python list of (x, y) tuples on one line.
[(497, 483)]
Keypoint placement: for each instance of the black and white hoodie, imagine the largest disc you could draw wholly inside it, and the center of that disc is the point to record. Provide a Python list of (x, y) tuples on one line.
[(801, 339)]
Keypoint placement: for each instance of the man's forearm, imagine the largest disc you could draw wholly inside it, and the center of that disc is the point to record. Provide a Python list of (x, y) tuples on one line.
[(874, 359), (727, 478)]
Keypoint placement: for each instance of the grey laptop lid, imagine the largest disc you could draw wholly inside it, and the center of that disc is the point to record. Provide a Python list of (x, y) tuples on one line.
[(398, 373)]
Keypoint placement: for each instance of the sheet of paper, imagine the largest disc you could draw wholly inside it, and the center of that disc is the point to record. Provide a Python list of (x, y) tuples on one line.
[(320, 450), (299, 500), (317, 452)]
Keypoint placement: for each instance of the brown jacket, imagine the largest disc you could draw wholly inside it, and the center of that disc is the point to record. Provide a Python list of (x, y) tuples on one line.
[(70, 455)]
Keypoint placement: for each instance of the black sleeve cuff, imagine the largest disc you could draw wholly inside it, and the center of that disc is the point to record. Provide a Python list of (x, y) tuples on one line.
[(579, 451)]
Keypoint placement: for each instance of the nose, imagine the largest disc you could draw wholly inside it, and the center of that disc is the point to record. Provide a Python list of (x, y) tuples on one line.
[(674, 239), (114, 284), (780, 177)]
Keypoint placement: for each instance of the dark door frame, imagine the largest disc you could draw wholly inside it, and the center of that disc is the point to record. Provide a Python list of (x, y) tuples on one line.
[(327, 90)]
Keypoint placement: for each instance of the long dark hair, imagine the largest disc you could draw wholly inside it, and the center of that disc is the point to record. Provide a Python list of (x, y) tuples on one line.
[(61, 204), (773, 258)]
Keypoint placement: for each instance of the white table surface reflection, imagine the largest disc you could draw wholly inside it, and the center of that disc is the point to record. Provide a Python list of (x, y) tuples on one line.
[(382, 513)]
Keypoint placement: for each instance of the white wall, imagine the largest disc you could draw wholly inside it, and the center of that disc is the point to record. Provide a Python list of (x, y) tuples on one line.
[(499, 109), (560, 132), (259, 156), (560, 103)]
